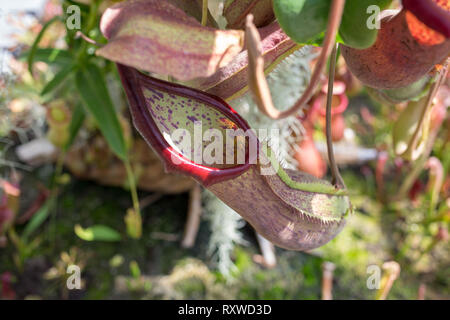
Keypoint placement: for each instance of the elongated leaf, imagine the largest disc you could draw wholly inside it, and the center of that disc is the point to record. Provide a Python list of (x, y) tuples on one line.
[(37, 40), (230, 81), (156, 36), (235, 12), (39, 217), (58, 57), (97, 233), (302, 20), (76, 122), (135, 270), (293, 210), (354, 29), (95, 96), (57, 79), (405, 128)]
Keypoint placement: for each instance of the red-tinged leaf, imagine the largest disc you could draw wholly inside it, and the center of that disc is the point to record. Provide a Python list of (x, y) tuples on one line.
[(230, 81), (293, 210), (235, 12), (6, 218), (158, 37), (6, 280)]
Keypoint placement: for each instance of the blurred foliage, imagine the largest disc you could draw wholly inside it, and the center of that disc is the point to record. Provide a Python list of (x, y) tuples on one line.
[(37, 251)]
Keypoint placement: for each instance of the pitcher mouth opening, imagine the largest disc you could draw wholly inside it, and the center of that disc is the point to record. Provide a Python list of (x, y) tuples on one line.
[(136, 83), (435, 14)]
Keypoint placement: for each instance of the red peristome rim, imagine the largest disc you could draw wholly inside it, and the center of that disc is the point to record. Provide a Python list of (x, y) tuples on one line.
[(132, 80), (430, 13), (339, 88), (343, 104)]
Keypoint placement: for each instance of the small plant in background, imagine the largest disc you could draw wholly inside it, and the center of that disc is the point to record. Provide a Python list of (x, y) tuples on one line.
[(72, 69), (225, 233), (61, 271), (76, 67)]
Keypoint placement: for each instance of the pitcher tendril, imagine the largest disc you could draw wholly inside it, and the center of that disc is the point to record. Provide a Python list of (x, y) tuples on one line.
[(337, 179), (257, 72)]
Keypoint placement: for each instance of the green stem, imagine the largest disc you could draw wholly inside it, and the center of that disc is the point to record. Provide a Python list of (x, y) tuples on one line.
[(420, 163), (204, 12), (54, 192), (58, 171), (337, 179), (133, 188), (37, 40), (90, 24), (413, 174), (15, 239), (426, 109)]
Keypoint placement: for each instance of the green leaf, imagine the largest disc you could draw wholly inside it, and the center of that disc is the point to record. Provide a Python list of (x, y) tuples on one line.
[(95, 96), (37, 40), (97, 233), (135, 270), (58, 79), (53, 56), (354, 29), (133, 221), (302, 20), (38, 218), (78, 116), (403, 132)]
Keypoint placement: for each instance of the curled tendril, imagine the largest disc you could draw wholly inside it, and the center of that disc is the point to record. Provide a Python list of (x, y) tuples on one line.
[(257, 80)]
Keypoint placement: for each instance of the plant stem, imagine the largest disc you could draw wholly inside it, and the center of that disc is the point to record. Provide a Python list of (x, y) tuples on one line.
[(256, 72), (327, 280), (19, 246), (193, 218), (420, 163), (54, 192), (204, 12), (90, 24), (87, 39), (58, 171), (426, 109), (337, 179), (133, 188), (392, 272)]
